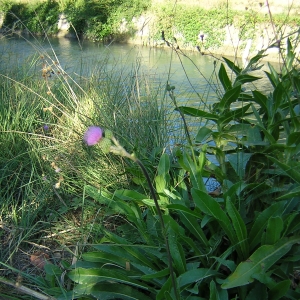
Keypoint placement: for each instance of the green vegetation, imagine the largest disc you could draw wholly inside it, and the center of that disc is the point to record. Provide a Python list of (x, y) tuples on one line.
[(97, 222), (101, 19)]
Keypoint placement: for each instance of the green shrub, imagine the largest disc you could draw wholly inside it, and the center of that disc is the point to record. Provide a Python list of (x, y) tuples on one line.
[(239, 241)]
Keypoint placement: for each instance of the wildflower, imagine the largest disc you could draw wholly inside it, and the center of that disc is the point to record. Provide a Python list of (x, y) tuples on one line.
[(46, 127), (93, 135)]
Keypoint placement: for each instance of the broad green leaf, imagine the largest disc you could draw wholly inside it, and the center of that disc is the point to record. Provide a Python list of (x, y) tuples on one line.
[(290, 194), (98, 256), (195, 275), (293, 139), (177, 252), (228, 263), (259, 292), (232, 66), (195, 172), (213, 293), (103, 197), (125, 249), (203, 134), (239, 228), (261, 99), (292, 172), (129, 195), (293, 223), (163, 165), (197, 113), (211, 207), (279, 290), (278, 96), (92, 276), (164, 289), (224, 78), (236, 114), (273, 75), (261, 222), (238, 162), (274, 230), (159, 274), (229, 97), (244, 78), (194, 228), (259, 262), (107, 291)]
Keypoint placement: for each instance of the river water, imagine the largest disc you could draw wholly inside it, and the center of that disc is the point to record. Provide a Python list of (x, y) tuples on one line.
[(194, 75)]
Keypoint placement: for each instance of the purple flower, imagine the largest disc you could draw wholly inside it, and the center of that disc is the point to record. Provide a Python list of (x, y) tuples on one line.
[(46, 127), (93, 135)]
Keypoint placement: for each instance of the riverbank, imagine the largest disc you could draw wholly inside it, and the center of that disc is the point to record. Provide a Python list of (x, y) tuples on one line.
[(226, 31)]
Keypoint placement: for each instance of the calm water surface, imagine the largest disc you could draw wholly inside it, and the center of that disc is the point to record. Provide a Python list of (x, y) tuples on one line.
[(189, 74), (193, 75)]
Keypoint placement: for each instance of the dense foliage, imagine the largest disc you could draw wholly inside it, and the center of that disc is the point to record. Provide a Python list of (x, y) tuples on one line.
[(102, 19), (239, 241)]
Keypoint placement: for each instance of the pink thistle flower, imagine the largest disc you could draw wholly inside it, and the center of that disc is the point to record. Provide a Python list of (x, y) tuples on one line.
[(93, 135)]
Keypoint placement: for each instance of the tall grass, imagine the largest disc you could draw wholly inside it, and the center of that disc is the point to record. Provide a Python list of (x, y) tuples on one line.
[(45, 166)]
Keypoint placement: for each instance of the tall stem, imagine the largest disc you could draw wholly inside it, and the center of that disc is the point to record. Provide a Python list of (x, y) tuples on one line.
[(119, 150), (162, 223)]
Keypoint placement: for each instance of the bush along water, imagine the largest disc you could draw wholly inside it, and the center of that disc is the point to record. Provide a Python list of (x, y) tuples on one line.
[(178, 240)]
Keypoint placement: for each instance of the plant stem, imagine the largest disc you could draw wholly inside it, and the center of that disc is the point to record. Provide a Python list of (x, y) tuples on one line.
[(153, 194), (119, 150)]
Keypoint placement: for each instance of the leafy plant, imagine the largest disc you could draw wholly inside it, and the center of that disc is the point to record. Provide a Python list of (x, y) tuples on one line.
[(238, 241)]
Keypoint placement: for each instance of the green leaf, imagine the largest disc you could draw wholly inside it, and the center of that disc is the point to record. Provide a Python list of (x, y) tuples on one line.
[(203, 134), (159, 274), (290, 171), (261, 99), (273, 231), (238, 162), (213, 293), (107, 291), (97, 256), (278, 96), (232, 66), (235, 114), (259, 262), (193, 112), (177, 252), (134, 253), (211, 207), (279, 290), (293, 139), (163, 167), (244, 78), (258, 292), (239, 228), (229, 97), (261, 222), (164, 289), (194, 275), (92, 276), (195, 172), (129, 195), (273, 76), (224, 78)]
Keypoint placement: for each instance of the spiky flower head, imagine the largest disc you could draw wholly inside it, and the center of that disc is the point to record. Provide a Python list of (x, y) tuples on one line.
[(105, 144), (93, 135), (108, 133)]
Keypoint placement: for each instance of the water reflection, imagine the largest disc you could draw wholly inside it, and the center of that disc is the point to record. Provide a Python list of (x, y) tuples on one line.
[(194, 75)]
